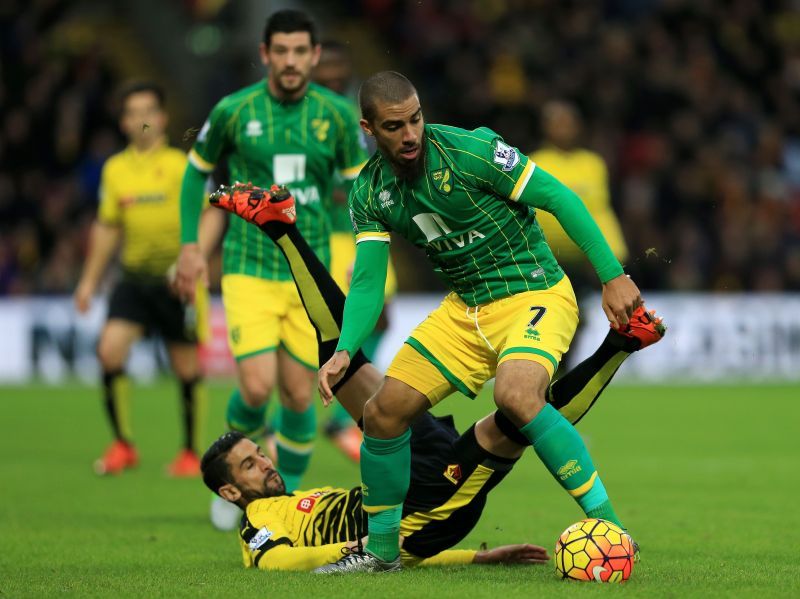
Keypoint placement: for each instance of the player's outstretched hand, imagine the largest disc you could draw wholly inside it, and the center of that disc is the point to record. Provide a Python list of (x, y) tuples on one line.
[(331, 373), (512, 554), (621, 297), (83, 296), (191, 267)]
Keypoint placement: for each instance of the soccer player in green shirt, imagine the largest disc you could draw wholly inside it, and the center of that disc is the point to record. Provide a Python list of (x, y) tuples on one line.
[(469, 200), (288, 130)]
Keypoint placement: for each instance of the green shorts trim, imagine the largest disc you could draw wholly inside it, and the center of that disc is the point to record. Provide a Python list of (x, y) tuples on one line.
[(298, 360), (451, 378), (255, 353), (529, 350)]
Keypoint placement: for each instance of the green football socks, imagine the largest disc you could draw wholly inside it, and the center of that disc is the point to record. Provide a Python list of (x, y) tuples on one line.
[(385, 475), (245, 418), (295, 441), (565, 456), (605, 511)]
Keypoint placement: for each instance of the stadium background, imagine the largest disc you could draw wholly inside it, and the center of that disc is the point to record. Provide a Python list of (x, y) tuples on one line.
[(694, 105)]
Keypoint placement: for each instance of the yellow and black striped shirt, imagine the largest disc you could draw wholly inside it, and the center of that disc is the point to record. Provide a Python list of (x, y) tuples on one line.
[(311, 528), (301, 531)]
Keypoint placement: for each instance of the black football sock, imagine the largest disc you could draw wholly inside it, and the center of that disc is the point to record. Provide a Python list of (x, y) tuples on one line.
[(576, 391), (321, 296), (116, 395), (193, 402)]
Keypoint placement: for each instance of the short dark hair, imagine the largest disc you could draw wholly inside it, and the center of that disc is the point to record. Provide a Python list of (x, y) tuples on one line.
[(289, 21), (334, 46), (389, 87), (138, 87), (214, 465)]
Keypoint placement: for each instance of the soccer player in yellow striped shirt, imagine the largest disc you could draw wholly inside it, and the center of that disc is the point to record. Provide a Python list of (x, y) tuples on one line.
[(310, 528), (139, 210)]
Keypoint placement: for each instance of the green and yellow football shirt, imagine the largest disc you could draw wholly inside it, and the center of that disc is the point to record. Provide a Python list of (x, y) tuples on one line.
[(484, 246), (300, 144)]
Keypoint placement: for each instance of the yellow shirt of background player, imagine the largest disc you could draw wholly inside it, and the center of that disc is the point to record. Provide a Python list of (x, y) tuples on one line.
[(140, 192), (585, 173)]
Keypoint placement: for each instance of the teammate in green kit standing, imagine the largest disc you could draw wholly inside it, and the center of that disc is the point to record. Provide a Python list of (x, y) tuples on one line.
[(283, 130)]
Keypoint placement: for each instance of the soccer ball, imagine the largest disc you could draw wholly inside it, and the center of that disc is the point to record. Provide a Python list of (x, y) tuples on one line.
[(594, 549)]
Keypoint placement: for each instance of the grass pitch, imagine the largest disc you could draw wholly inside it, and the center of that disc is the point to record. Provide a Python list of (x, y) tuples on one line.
[(705, 477)]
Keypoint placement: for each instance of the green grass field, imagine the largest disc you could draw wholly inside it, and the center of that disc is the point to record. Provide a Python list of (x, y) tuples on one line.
[(705, 477)]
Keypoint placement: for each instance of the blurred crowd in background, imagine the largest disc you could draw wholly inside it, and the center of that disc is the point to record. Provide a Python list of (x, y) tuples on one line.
[(694, 105)]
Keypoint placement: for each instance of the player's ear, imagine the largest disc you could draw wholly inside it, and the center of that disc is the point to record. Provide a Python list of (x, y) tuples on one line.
[(230, 493), (316, 51), (263, 51), (365, 127)]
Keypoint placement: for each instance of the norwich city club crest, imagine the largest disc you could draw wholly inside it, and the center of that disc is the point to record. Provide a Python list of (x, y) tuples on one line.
[(320, 127), (443, 180)]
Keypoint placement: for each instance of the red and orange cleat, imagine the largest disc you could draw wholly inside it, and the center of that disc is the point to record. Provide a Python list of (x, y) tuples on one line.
[(643, 329), (256, 205), (185, 465), (120, 456)]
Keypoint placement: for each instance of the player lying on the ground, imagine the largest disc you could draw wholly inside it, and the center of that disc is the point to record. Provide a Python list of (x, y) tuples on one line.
[(451, 475)]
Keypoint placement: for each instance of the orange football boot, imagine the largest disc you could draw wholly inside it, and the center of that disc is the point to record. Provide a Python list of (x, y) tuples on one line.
[(185, 465), (643, 329), (256, 205), (120, 456)]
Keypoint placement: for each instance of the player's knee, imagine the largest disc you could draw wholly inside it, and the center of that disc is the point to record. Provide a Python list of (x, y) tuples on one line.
[(185, 366), (380, 422), (519, 404), (186, 371), (111, 356), (295, 398), (255, 390)]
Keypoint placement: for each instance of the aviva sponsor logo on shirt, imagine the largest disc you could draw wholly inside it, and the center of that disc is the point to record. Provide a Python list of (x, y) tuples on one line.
[(291, 168), (436, 231), (305, 195)]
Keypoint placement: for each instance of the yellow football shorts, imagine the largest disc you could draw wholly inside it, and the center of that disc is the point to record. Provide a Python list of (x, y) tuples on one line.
[(459, 348), (263, 315), (343, 255)]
